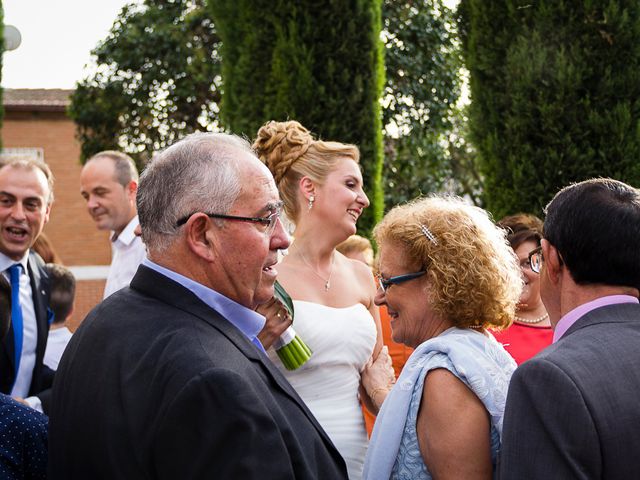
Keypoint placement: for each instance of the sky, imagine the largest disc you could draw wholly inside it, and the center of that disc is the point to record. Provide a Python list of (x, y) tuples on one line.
[(57, 38)]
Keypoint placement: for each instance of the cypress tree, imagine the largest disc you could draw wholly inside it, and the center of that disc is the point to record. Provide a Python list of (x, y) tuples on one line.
[(316, 62), (555, 95)]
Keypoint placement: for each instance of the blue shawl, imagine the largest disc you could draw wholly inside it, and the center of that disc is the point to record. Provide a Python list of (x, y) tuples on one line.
[(477, 357)]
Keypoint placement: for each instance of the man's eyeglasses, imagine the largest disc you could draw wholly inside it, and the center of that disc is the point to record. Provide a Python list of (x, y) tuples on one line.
[(536, 259), (385, 283), (268, 221)]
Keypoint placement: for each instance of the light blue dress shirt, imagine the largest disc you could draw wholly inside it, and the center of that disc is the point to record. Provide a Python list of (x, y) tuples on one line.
[(250, 323)]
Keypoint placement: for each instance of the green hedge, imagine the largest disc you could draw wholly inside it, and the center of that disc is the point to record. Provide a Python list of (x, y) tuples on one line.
[(316, 62), (555, 95)]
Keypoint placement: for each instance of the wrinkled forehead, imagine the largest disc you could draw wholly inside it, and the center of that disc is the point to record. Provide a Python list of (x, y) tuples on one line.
[(393, 255), (255, 174)]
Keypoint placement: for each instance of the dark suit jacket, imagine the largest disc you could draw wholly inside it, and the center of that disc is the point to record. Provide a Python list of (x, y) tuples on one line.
[(42, 375), (156, 384), (573, 411)]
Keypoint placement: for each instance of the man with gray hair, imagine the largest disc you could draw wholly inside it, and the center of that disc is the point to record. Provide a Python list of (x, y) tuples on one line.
[(109, 182), (167, 378)]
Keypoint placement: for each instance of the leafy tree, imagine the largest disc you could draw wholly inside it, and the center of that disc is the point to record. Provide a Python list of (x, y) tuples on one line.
[(424, 149), (555, 95), (283, 62), (316, 62), (157, 79)]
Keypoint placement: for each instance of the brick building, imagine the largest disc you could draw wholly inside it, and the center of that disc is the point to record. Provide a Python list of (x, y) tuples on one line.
[(35, 124)]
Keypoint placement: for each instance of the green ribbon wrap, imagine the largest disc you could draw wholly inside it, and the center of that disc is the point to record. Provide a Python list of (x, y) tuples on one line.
[(290, 348)]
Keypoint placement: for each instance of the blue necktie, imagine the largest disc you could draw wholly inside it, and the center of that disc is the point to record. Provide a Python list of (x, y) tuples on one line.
[(16, 316)]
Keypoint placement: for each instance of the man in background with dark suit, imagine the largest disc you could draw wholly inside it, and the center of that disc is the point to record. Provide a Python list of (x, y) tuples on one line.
[(167, 378), (573, 411), (26, 195)]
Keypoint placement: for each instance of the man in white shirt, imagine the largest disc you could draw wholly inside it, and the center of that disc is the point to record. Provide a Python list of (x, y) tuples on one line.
[(26, 195), (109, 182)]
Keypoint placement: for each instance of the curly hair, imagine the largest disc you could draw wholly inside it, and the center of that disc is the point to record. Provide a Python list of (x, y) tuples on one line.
[(290, 152), (521, 228), (474, 279)]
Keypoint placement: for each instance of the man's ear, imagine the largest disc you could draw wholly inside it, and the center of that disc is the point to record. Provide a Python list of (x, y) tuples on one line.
[(132, 189), (552, 261), (47, 212), (199, 236)]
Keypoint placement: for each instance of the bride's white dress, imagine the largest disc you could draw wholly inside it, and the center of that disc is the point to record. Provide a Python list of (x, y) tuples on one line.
[(342, 340)]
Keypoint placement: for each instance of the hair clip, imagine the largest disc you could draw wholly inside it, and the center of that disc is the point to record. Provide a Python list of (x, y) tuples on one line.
[(427, 233)]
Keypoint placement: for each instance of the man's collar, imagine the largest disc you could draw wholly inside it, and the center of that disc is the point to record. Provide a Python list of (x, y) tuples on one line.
[(127, 235), (567, 321), (6, 262), (249, 322)]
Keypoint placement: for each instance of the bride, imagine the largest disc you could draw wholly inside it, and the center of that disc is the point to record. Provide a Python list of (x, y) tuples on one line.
[(321, 186)]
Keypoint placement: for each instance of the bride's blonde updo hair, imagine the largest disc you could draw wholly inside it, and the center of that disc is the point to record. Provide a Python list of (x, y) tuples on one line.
[(290, 153)]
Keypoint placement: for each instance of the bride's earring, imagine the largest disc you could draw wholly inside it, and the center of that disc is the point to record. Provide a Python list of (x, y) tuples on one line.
[(311, 200)]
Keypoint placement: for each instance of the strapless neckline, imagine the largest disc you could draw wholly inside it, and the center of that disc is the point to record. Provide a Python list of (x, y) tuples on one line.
[(355, 305)]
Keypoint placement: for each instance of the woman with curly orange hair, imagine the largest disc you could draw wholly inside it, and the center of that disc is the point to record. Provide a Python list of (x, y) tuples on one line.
[(447, 275), (321, 185)]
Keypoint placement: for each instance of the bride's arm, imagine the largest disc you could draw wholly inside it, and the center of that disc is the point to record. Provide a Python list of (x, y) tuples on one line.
[(366, 279), (378, 375)]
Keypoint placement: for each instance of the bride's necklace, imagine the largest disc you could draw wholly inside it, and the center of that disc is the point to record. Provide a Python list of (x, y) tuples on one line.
[(327, 281), (532, 321)]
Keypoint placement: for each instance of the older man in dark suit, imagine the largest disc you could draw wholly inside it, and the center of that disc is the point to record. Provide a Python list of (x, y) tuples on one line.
[(26, 196), (573, 411), (167, 378)]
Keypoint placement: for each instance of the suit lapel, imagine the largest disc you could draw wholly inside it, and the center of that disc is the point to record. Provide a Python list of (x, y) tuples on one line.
[(39, 288), (162, 288), (8, 363)]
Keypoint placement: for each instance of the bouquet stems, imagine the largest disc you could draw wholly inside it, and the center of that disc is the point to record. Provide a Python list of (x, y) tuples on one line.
[(290, 348)]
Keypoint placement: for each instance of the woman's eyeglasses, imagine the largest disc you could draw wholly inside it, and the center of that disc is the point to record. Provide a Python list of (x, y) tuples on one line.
[(536, 259), (385, 283)]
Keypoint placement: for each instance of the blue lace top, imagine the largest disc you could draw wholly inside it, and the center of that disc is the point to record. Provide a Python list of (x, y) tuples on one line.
[(477, 359), (409, 464)]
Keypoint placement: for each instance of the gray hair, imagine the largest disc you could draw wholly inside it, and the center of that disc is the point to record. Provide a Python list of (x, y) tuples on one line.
[(197, 174), (124, 167)]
